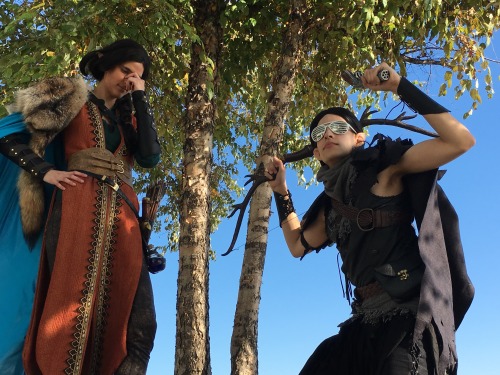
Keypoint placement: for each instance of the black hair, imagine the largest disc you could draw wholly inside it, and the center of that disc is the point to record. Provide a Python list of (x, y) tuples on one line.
[(347, 115), (95, 63)]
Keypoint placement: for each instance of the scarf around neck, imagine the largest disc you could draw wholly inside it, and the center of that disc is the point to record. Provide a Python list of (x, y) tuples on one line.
[(337, 182)]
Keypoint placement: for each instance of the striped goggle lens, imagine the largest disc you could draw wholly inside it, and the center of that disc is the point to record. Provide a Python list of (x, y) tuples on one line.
[(337, 127)]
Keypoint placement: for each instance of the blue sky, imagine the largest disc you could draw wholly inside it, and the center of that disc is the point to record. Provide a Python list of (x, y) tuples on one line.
[(301, 301)]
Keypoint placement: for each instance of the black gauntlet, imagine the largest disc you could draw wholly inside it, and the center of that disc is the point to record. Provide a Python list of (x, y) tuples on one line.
[(284, 205), (148, 144), (417, 100), (16, 149)]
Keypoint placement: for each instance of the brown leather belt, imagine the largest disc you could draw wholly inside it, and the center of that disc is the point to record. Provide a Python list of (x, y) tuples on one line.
[(367, 219), (367, 291), (101, 162)]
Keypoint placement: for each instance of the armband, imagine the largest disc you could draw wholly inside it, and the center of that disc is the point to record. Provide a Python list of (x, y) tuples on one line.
[(414, 98), (304, 242), (20, 153)]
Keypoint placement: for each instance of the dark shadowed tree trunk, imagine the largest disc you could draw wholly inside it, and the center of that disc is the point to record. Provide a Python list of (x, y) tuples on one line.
[(192, 349), (244, 356)]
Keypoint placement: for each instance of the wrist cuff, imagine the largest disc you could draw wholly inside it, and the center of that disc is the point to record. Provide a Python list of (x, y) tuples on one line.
[(284, 206), (414, 98)]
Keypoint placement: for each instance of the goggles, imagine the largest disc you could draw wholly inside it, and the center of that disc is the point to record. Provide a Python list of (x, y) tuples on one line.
[(337, 127)]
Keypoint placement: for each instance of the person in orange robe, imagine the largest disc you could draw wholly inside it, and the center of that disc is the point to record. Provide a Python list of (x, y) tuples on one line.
[(94, 311)]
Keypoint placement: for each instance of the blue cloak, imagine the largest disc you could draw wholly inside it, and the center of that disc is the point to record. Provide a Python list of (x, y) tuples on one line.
[(18, 263)]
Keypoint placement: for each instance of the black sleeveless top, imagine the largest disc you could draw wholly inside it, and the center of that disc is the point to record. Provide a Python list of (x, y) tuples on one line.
[(366, 250)]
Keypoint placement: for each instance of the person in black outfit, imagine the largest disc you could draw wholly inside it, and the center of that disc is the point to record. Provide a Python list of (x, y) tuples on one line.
[(411, 291)]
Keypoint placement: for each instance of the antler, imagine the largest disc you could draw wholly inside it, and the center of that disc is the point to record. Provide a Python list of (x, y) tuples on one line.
[(398, 122), (258, 179)]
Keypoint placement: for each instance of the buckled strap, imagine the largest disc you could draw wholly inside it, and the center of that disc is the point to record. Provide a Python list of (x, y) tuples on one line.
[(368, 219), (101, 161), (115, 186)]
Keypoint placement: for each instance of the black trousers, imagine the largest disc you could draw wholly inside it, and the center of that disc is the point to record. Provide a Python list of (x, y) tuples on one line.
[(365, 349), (141, 329)]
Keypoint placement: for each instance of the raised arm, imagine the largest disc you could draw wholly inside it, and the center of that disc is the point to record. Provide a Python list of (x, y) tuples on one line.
[(296, 239), (454, 138)]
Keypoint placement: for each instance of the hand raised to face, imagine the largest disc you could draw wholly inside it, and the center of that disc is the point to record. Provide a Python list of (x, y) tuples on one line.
[(133, 82)]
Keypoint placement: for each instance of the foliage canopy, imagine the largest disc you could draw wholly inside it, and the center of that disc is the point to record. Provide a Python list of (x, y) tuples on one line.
[(45, 38)]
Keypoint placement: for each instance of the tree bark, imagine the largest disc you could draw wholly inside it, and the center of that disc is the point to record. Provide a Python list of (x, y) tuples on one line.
[(244, 354), (192, 349)]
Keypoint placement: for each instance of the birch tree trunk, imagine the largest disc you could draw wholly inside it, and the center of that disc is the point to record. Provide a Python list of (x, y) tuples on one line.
[(192, 349), (244, 354)]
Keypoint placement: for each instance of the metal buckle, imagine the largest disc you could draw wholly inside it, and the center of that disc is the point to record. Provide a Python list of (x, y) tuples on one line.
[(112, 184), (120, 168), (403, 275), (370, 210)]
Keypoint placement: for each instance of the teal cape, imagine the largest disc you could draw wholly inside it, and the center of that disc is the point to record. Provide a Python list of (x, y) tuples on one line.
[(18, 263)]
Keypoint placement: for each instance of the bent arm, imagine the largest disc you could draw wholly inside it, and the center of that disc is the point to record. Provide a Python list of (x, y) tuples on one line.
[(148, 147), (15, 148), (314, 236), (454, 138)]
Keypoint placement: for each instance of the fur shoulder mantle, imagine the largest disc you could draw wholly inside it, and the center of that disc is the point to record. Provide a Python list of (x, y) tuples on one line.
[(47, 107)]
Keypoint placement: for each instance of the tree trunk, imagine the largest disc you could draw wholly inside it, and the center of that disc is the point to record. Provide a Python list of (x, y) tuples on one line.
[(244, 356), (192, 349)]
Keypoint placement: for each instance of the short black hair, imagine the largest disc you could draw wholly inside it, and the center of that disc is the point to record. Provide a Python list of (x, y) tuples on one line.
[(95, 63), (347, 115)]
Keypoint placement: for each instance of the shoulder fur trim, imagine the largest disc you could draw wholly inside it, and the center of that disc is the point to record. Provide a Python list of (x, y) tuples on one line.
[(48, 106)]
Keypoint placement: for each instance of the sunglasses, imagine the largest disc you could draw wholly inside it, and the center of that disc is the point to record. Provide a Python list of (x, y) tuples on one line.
[(337, 127)]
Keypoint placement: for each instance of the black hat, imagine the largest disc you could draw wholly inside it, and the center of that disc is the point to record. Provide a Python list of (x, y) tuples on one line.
[(347, 115), (95, 63)]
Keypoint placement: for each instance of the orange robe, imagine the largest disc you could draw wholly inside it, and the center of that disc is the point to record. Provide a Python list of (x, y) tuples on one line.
[(81, 310)]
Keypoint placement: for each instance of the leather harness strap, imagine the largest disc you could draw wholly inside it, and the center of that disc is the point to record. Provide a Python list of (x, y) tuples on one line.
[(116, 187), (371, 290), (368, 218)]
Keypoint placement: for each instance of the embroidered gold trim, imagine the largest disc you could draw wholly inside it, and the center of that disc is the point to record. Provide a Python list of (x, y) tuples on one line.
[(75, 361), (97, 283), (102, 302), (100, 258), (95, 117)]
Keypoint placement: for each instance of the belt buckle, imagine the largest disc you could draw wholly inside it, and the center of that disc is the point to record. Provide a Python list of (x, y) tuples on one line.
[(112, 184), (121, 168), (372, 226), (118, 167)]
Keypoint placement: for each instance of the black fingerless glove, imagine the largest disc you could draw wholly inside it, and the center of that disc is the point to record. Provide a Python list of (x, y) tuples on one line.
[(417, 100), (148, 146), (15, 148)]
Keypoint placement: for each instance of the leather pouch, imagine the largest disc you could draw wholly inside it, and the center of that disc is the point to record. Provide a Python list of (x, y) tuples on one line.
[(401, 278)]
